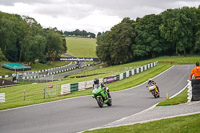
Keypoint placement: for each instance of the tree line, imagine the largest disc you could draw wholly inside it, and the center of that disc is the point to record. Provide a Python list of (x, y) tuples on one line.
[(80, 33), (172, 32), (22, 39)]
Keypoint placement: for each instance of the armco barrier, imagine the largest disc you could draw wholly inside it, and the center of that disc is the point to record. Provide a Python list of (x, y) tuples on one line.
[(117, 77), (127, 74), (81, 86), (89, 84), (124, 75), (195, 89), (135, 71), (74, 87), (65, 89), (130, 73), (68, 88)]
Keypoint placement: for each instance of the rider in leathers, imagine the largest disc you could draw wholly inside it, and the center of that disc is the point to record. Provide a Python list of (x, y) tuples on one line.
[(96, 85), (151, 83)]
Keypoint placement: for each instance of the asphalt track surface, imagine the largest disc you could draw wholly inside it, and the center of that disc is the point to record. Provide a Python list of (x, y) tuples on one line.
[(82, 113)]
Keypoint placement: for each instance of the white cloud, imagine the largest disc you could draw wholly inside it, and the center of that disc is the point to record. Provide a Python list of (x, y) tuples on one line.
[(98, 19), (90, 15), (18, 8)]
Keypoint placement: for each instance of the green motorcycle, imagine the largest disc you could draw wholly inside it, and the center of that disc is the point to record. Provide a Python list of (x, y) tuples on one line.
[(101, 96)]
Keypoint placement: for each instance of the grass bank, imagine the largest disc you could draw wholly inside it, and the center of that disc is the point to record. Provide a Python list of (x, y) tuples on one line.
[(181, 98), (81, 47), (184, 124)]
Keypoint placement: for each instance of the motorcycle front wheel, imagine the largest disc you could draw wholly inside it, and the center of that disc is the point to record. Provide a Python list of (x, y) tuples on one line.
[(100, 102), (154, 94)]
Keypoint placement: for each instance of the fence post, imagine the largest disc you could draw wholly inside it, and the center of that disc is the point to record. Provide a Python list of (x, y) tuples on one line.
[(44, 92), (56, 90), (51, 92), (24, 94)]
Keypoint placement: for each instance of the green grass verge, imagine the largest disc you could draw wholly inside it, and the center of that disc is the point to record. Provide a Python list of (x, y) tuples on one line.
[(139, 78), (184, 124), (14, 95), (4, 71), (81, 47), (181, 98)]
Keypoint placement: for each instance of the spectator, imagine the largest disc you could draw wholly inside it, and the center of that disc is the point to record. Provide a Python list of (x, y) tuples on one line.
[(195, 72)]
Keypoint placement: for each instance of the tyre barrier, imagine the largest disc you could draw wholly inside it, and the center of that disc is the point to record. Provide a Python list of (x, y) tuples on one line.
[(195, 89)]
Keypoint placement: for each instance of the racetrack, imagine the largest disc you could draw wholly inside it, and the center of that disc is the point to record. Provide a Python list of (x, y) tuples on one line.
[(78, 114)]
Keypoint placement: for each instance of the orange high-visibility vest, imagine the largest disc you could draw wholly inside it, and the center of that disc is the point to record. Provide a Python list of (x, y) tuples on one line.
[(196, 72)]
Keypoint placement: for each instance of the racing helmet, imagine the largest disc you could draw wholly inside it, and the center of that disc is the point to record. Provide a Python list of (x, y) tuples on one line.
[(96, 81), (150, 80)]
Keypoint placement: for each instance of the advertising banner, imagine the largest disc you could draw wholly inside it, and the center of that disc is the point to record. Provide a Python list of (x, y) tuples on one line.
[(72, 59), (110, 79)]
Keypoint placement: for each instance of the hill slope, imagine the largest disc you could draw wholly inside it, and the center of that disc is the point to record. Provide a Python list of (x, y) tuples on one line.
[(81, 47)]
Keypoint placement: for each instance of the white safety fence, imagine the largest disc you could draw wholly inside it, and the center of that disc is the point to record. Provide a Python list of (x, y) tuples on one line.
[(189, 86), (68, 88), (65, 89), (2, 97)]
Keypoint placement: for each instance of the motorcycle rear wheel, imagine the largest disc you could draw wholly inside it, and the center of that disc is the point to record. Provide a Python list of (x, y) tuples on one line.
[(158, 95), (109, 102)]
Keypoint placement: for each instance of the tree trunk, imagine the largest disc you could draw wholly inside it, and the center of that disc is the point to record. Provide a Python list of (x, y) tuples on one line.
[(184, 52), (176, 50), (20, 56), (153, 54)]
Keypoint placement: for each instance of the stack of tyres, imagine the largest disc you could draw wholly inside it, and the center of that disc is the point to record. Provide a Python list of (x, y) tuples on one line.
[(195, 89)]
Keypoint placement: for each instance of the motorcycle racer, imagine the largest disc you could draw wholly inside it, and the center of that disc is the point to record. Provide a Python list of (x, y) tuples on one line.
[(151, 83), (96, 85)]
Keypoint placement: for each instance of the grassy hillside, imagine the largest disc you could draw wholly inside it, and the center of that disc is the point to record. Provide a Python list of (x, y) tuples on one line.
[(81, 47)]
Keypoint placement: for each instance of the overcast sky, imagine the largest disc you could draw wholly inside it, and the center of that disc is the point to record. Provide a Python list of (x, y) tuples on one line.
[(90, 15)]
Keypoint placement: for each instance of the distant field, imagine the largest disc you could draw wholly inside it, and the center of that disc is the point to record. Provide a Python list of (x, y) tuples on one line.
[(81, 47)]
